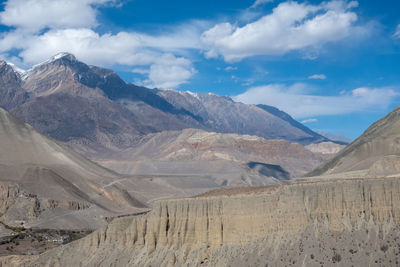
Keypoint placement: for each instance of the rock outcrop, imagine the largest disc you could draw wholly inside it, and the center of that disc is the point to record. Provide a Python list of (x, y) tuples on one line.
[(310, 223)]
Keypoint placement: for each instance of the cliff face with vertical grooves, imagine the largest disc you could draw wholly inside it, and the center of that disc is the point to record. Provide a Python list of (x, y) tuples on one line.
[(310, 223)]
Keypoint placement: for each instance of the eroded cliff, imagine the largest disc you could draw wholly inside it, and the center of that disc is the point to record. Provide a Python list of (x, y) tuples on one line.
[(312, 223)]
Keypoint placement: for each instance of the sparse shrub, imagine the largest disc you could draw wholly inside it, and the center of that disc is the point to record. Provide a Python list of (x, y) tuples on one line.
[(336, 258), (384, 248)]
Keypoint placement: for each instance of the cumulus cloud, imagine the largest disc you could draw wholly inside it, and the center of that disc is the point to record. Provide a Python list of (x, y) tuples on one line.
[(169, 72), (34, 15), (43, 28), (397, 32), (291, 26), (317, 77), (302, 104)]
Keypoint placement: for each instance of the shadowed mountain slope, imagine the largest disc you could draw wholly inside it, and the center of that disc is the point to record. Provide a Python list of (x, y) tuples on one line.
[(313, 136), (11, 92)]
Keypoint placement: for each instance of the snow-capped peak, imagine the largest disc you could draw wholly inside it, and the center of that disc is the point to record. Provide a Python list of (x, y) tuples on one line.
[(61, 55), (50, 60), (16, 69), (56, 57)]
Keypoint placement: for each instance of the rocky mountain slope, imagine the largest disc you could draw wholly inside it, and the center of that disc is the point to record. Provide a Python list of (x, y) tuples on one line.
[(223, 115), (11, 93), (375, 153), (226, 158), (352, 222), (44, 183), (94, 110)]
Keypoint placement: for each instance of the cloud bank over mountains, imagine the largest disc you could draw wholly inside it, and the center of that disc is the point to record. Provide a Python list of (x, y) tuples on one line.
[(167, 59), (71, 26)]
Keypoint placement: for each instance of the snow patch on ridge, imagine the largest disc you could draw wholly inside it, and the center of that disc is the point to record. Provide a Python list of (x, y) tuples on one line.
[(16, 69), (50, 60), (195, 95)]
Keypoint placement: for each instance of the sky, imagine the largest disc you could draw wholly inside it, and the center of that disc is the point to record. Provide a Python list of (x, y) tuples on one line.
[(333, 65)]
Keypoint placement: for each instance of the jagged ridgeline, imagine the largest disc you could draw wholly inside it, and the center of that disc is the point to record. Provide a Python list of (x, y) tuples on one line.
[(94, 110)]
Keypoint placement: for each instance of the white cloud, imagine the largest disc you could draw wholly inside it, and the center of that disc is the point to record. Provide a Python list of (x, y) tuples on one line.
[(88, 46), (229, 68), (317, 77), (43, 28), (34, 15), (141, 71), (291, 26), (132, 49), (169, 72), (397, 32), (311, 120), (260, 2), (302, 104)]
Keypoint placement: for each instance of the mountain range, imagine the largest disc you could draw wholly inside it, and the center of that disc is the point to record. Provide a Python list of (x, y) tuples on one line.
[(94, 110)]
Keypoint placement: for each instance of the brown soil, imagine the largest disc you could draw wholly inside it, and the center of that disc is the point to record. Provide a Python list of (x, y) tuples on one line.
[(36, 241)]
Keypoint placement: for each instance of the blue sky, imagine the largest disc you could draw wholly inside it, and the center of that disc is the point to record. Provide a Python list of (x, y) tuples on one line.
[(332, 64)]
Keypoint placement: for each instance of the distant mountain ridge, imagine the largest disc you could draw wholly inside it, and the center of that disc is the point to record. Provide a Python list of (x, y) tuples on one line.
[(337, 138), (222, 114), (228, 159), (94, 110), (286, 117)]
